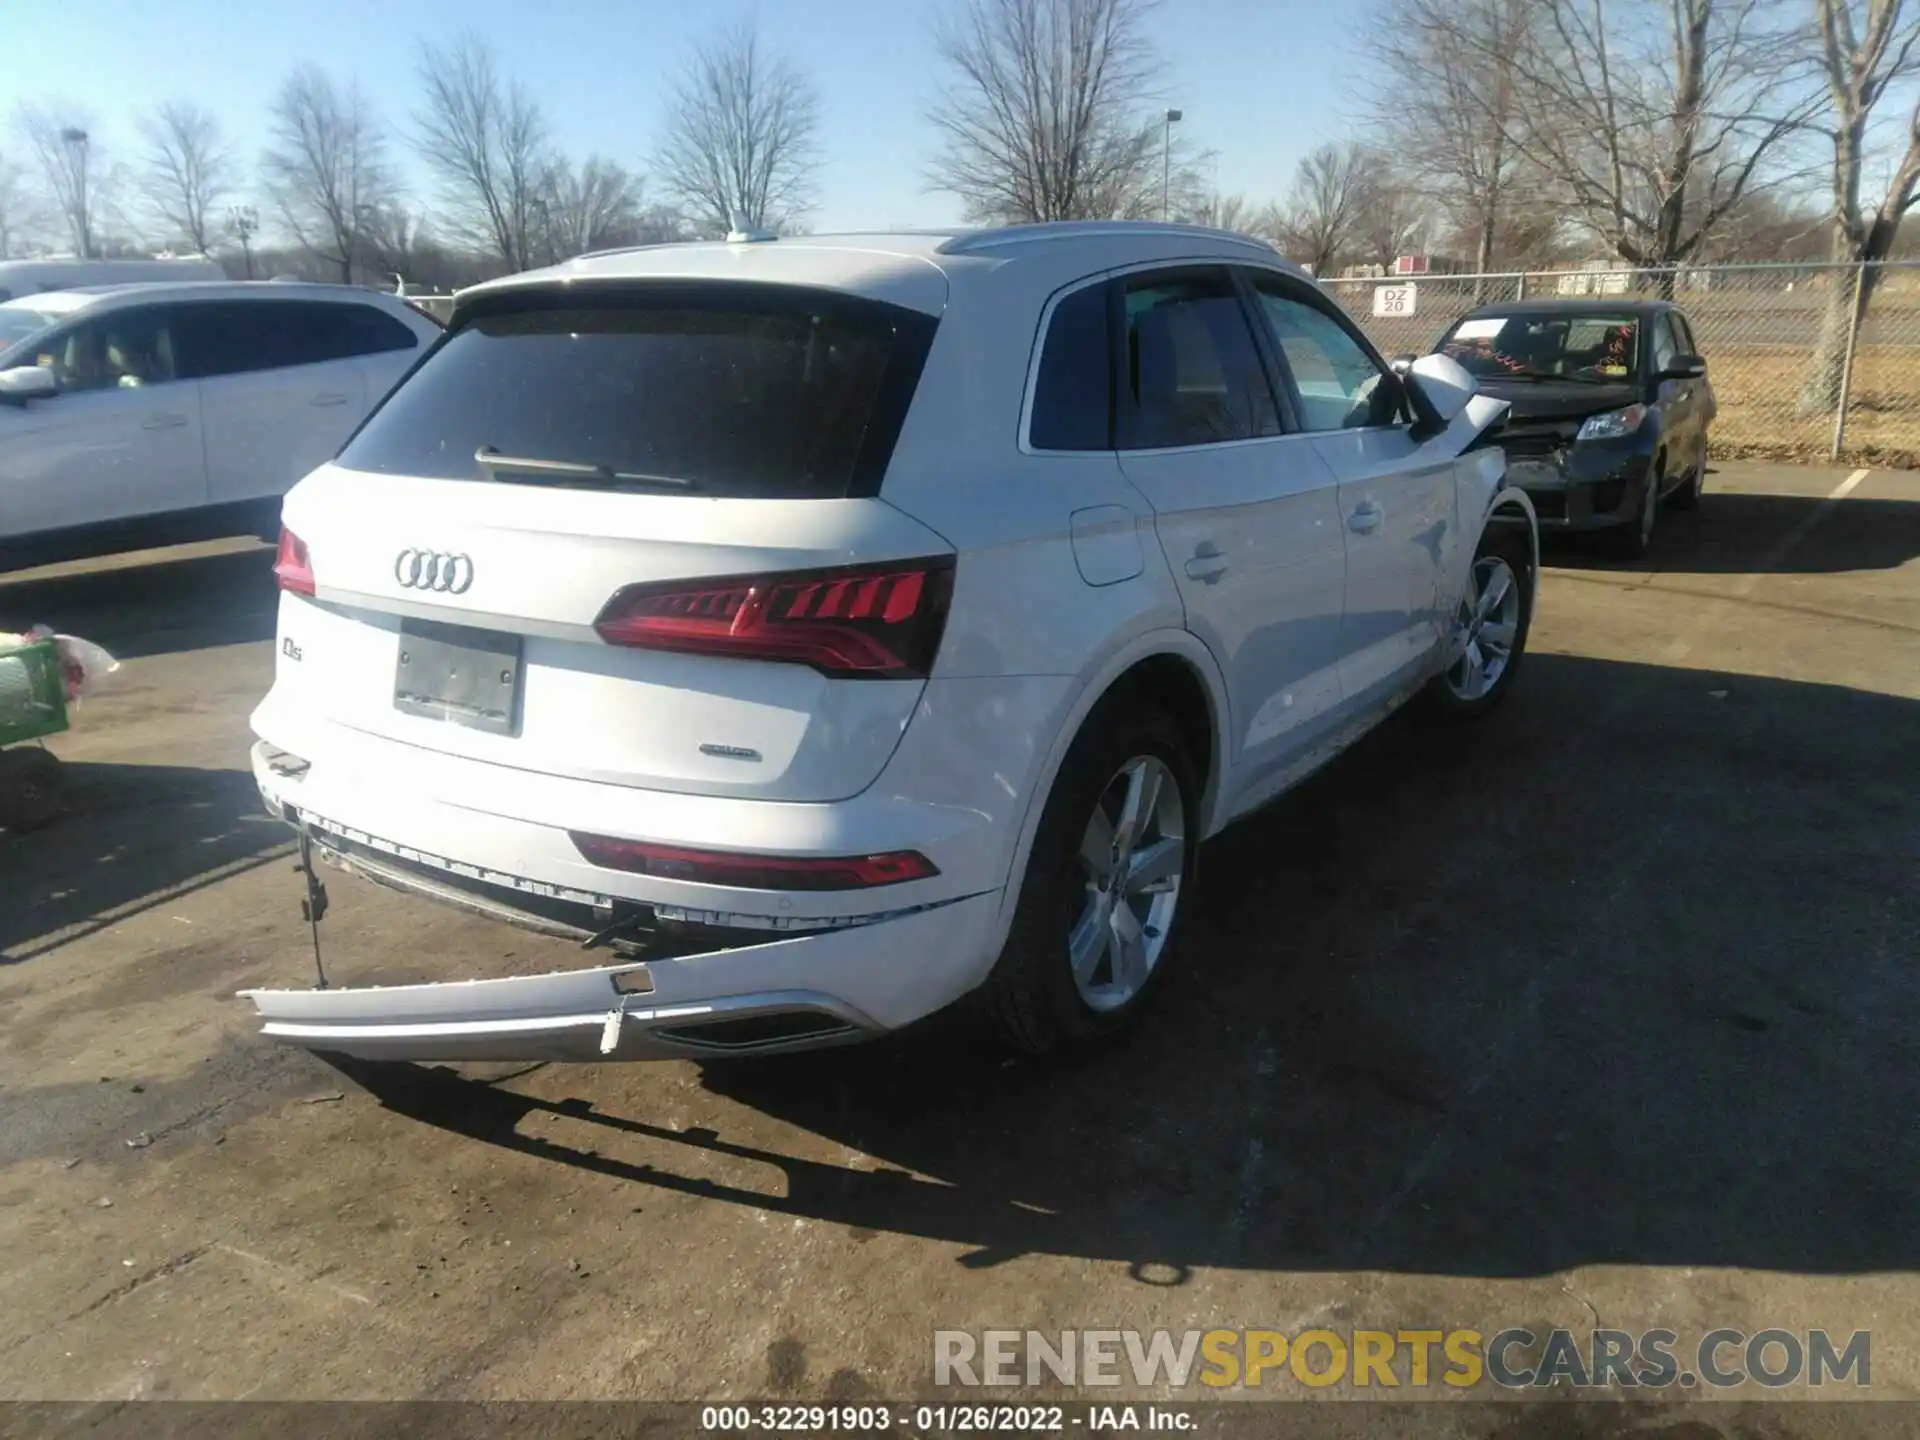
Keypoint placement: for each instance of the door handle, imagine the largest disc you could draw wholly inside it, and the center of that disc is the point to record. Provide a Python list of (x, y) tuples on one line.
[(325, 400), (163, 422), (1366, 518), (1207, 564)]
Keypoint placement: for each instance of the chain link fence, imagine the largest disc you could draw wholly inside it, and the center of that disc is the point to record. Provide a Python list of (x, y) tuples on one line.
[(1799, 371)]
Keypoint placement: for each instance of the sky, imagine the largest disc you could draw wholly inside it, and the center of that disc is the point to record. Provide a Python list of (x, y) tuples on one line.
[(1258, 80)]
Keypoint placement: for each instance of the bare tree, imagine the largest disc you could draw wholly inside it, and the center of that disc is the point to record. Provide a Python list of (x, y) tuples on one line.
[(61, 143), (1652, 118), (392, 236), (484, 138), (19, 215), (1866, 47), (1227, 212), (326, 168), (189, 171), (1048, 113), (1321, 220), (598, 205), (1446, 100), (739, 145), (1393, 218)]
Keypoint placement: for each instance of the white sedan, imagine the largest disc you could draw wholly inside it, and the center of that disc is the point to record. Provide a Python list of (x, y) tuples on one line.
[(142, 414), (825, 631)]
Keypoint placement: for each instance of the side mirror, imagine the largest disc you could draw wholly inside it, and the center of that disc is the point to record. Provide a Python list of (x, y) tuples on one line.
[(1439, 388), (1684, 367), (27, 382), (1403, 363)]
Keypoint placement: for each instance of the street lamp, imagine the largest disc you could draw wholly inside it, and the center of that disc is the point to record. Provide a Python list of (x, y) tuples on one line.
[(544, 213), (1166, 165), (244, 221), (75, 139)]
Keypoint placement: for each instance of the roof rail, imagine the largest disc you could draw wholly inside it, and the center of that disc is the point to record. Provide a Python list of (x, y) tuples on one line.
[(621, 250), (1092, 229)]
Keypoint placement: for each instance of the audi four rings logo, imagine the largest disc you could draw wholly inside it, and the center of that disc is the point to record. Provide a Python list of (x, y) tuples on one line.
[(434, 570)]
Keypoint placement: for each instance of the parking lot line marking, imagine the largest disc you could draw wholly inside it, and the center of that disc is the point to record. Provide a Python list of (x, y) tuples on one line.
[(1742, 589), (1799, 532)]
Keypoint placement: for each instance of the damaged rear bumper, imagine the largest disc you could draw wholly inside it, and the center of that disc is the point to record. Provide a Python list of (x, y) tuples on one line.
[(784, 995), (685, 984)]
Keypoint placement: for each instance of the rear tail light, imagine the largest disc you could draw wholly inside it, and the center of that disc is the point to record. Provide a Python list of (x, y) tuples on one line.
[(292, 567), (755, 872), (874, 621)]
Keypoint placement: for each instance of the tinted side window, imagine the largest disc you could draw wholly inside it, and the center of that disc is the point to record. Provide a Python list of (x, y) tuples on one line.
[(1073, 393), (364, 330), (1340, 387), (236, 337), (1194, 375)]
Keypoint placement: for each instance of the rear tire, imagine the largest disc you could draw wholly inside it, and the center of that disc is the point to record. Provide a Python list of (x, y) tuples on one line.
[(33, 787), (1079, 897), (1503, 570)]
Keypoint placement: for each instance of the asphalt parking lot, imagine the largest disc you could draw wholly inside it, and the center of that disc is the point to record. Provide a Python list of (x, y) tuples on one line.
[(1604, 1012)]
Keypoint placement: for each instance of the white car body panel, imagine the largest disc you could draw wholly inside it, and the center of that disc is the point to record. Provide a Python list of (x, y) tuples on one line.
[(1072, 569), (593, 711), (267, 428), (104, 455), (166, 448)]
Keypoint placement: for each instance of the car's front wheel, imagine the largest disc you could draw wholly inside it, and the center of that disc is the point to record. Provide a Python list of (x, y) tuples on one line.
[(1106, 887), (1490, 625)]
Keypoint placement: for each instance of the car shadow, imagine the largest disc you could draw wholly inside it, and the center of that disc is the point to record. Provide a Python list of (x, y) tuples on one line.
[(131, 837), (1622, 975), (161, 603), (1739, 534)]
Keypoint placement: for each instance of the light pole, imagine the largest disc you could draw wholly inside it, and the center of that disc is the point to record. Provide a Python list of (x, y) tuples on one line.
[(244, 221), (544, 214), (75, 139), (1166, 165)]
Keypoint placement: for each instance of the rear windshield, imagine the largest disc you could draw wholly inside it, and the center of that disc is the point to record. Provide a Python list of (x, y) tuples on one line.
[(1545, 346), (732, 390)]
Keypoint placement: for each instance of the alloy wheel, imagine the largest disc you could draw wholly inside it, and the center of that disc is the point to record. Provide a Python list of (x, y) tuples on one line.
[(1485, 630), (1133, 854)]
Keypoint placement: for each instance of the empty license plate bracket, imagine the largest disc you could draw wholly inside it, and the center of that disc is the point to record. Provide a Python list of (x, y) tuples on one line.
[(455, 673)]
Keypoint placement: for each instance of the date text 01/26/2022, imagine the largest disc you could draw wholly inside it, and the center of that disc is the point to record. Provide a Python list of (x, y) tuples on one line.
[(944, 1419)]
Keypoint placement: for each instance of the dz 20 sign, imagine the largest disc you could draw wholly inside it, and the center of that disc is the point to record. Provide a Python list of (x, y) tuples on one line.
[(1393, 302)]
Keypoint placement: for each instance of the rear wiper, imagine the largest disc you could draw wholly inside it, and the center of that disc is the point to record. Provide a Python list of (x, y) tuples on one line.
[(563, 472)]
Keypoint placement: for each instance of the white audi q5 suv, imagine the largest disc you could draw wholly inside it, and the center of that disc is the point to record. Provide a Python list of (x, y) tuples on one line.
[(827, 630)]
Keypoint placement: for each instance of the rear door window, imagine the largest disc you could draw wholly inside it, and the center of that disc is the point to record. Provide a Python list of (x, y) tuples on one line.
[(1194, 375), (730, 390), (236, 337)]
